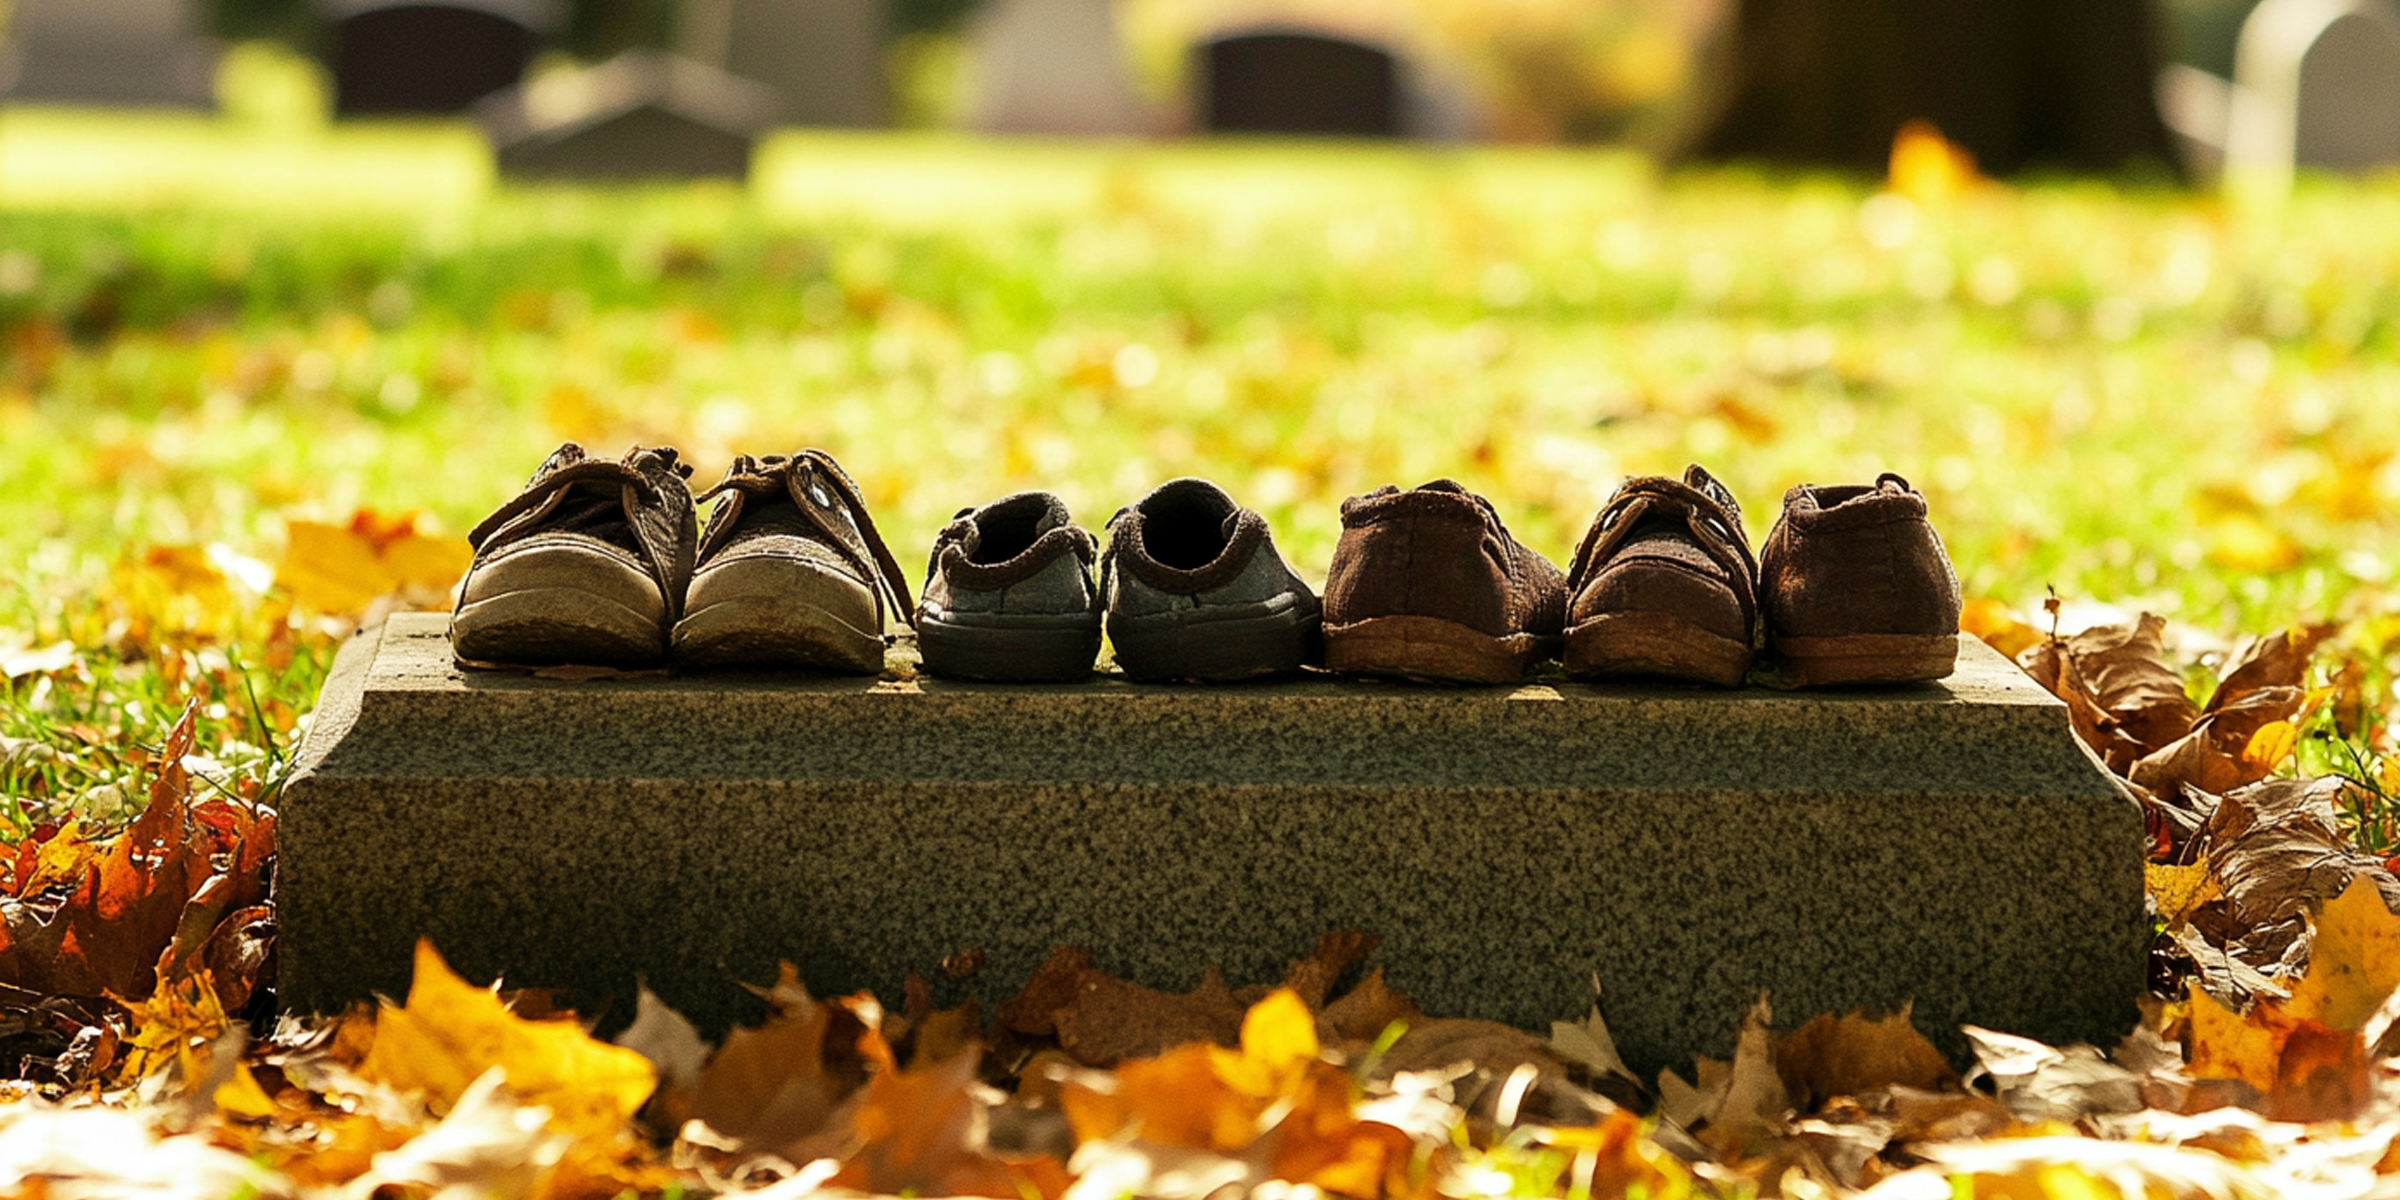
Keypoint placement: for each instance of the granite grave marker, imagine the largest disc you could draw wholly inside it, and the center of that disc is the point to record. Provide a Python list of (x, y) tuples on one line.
[(132, 53), (1299, 82), (1950, 843), (1055, 67), (403, 57), (2316, 84), (640, 115), (822, 58)]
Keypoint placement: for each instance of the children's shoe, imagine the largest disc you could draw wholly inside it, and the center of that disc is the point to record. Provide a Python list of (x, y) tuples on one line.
[(1009, 594), (587, 565), (791, 572), (1194, 589), (1428, 584), (1664, 585), (1857, 588)]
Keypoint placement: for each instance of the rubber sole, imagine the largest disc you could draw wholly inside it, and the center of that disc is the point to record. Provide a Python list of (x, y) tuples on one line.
[(1654, 645), (1216, 645), (1414, 647), (551, 626), (1865, 658), (1001, 653), (779, 612)]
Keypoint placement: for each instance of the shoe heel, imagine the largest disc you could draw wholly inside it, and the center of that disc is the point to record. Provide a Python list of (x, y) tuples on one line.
[(1413, 647), (1865, 658), (1654, 645)]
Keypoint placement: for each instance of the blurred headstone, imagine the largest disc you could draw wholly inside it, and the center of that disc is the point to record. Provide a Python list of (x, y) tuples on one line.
[(141, 53), (823, 58), (401, 57), (1053, 66), (1296, 81), (2317, 84), (640, 115)]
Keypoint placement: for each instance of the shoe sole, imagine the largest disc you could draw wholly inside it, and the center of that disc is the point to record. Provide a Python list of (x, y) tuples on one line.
[(551, 626), (1865, 658), (775, 612), (1654, 645), (565, 602), (1215, 645), (1413, 647), (1005, 654)]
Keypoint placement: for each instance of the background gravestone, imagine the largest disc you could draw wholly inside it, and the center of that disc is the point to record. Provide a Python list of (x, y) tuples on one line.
[(640, 115), (1053, 66), (118, 52), (822, 58), (1293, 81), (2319, 86), (391, 57)]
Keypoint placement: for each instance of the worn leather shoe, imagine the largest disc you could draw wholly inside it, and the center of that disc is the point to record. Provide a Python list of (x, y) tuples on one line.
[(587, 565), (1856, 587), (1664, 585), (791, 572), (1428, 584)]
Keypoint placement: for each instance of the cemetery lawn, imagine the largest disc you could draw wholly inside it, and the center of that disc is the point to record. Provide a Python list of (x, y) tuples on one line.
[(255, 384)]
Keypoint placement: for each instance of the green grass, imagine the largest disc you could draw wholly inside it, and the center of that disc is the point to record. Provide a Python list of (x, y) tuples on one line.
[(2138, 397)]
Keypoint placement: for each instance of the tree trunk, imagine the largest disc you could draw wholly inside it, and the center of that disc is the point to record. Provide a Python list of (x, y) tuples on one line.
[(2020, 84)]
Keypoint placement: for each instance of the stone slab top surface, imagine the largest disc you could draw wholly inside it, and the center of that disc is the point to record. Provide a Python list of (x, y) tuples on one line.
[(1996, 729)]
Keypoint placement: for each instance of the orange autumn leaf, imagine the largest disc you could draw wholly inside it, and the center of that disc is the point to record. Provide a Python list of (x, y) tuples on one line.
[(2229, 1045), (920, 1131), (450, 1032), (1203, 1096), (124, 901)]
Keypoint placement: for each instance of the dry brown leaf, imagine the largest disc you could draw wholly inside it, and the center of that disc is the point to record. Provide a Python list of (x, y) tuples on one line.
[(1363, 1013), (771, 1087), (2127, 670), (1110, 1020), (1851, 1055), (1312, 978)]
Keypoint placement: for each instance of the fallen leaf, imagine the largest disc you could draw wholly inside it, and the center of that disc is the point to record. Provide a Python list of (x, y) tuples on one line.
[(2179, 890), (771, 1087), (1928, 168), (32, 660), (1999, 626), (1853, 1054), (1110, 1020), (344, 568), (1365, 1012), (450, 1033), (921, 1132), (2353, 962)]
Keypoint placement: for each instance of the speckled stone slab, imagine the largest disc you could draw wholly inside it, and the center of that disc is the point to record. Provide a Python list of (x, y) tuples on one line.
[(1949, 843)]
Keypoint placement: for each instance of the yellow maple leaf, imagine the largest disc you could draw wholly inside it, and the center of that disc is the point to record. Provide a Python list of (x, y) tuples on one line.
[(2228, 1045), (451, 1032), (1279, 1040), (344, 568), (2179, 891), (2272, 744), (2354, 963)]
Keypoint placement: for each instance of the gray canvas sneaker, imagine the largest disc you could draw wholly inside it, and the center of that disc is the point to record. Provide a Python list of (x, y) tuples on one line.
[(1009, 595), (1194, 589), (587, 565), (791, 573)]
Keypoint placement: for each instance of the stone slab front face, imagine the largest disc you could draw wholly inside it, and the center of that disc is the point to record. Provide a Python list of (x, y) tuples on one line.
[(1949, 844)]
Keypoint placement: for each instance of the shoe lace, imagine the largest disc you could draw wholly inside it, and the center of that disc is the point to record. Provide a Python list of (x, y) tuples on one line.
[(826, 496), (1643, 501)]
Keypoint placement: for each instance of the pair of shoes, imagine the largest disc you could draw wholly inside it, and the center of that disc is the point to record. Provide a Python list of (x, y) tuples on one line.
[(601, 562), (1853, 586), (1190, 587)]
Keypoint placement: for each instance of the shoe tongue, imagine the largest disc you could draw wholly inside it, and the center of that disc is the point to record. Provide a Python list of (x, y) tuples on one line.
[(1706, 484)]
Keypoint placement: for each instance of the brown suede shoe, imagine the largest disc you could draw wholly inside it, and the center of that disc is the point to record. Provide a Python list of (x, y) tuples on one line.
[(1427, 584), (1664, 585), (1857, 588)]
